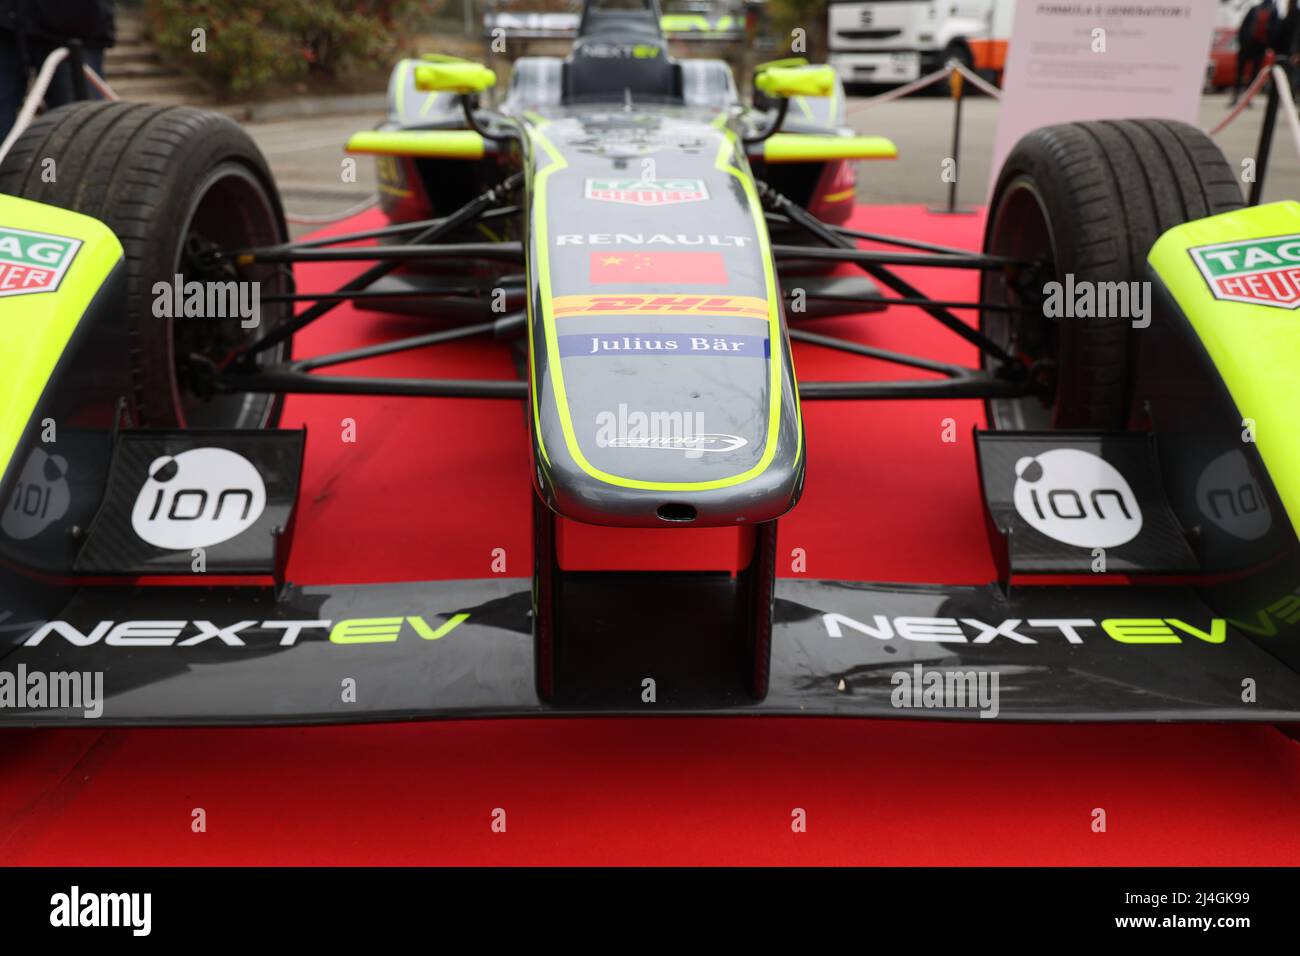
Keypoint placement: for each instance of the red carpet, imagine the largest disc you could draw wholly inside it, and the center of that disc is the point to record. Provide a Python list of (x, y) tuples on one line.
[(431, 487)]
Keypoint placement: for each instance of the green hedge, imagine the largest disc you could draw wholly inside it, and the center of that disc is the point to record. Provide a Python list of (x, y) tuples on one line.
[(249, 45)]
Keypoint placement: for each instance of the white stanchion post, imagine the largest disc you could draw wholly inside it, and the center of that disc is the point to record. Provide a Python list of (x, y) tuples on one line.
[(1283, 84)]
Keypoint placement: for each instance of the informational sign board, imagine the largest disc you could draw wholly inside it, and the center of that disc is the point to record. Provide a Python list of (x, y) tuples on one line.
[(1109, 59)]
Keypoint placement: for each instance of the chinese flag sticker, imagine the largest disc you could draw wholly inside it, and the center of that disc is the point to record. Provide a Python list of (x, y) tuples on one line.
[(678, 268)]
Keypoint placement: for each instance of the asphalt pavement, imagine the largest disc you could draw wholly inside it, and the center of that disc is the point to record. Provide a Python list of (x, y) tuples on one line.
[(306, 153)]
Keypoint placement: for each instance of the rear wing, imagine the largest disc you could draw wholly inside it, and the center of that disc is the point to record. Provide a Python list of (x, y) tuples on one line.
[(691, 27)]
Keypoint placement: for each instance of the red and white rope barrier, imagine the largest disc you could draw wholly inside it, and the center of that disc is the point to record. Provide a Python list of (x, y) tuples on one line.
[(983, 85), (929, 80), (901, 91), (1255, 85), (44, 77)]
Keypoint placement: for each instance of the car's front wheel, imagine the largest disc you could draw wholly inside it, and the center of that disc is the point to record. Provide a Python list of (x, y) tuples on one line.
[(1086, 201), (172, 182)]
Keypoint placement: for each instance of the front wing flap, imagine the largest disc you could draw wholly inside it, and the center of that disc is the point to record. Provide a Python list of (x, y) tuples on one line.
[(451, 649)]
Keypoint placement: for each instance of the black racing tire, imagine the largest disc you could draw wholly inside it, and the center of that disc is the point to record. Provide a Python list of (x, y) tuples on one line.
[(162, 177), (1089, 199)]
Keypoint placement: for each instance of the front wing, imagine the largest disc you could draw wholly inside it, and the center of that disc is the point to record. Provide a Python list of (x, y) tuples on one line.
[(449, 649)]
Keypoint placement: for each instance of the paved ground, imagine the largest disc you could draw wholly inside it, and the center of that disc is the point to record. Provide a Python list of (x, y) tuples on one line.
[(922, 128), (307, 156), (307, 153)]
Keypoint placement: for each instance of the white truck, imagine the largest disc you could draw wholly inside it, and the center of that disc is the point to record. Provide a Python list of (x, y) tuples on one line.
[(897, 41)]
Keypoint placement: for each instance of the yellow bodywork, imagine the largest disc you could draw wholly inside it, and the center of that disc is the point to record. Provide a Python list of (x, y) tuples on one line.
[(786, 81), (35, 327), (801, 148), (1255, 347), (450, 75), (433, 143)]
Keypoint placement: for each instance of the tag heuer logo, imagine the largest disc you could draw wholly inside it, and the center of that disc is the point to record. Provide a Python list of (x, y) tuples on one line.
[(33, 261), (1258, 271), (647, 192)]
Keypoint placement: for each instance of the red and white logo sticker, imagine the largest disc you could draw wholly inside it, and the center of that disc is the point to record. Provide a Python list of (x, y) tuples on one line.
[(647, 192), (33, 262), (1257, 271)]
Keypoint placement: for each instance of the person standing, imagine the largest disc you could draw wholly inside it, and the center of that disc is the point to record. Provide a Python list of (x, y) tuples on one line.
[(1286, 45), (31, 29), (1255, 37)]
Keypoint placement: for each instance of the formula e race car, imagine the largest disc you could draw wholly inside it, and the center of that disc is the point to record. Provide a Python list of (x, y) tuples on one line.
[(623, 256)]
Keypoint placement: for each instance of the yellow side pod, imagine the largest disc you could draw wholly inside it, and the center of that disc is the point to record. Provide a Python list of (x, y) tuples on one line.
[(1213, 267), (432, 143), (450, 74), (35, 327), (782, 78), (801, 148)]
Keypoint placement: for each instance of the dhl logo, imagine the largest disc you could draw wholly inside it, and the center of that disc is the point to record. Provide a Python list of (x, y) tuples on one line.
[(743, 305)]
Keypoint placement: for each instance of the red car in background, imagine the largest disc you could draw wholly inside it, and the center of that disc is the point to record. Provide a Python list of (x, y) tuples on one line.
[(1222, 68)]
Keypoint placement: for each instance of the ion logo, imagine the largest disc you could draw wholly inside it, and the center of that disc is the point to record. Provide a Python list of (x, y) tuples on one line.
[(198, 498), (40, 498), (1076, 498), (1228, 494)]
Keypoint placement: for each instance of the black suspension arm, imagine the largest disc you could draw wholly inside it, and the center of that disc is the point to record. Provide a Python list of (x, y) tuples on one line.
[(965, 260), (289, 381), (500, 328), (382, 232), (466, 213), (380, 294), (900, 242), (826, 234), (509, 251), (788, 290), (977, 385), (884, 355)]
